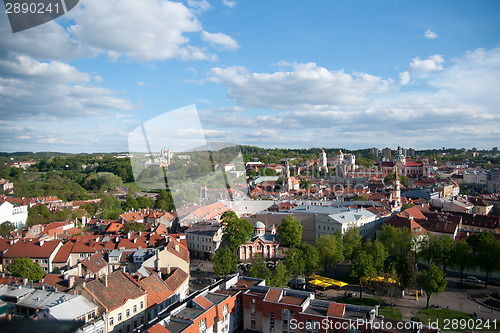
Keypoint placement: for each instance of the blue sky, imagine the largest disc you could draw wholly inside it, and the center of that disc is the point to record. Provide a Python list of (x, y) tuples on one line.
[(352, 74)]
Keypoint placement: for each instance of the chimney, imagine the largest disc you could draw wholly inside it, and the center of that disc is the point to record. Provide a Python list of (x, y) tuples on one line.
[(41, 242), (106, 281), (25, 281), (168, 269), (71, 281), (129, 235)]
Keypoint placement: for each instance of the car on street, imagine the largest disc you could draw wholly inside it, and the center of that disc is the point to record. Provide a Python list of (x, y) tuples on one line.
[(473, 279)]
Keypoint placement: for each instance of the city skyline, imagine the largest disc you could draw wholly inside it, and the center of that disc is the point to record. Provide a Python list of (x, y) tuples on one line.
[(289, 75)]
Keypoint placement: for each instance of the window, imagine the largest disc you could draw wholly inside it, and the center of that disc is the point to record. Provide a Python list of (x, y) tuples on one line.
[(128, 313), (252, 324), (135, 308), (135, 323), (202, 325), (252, 306), (111, 322), (119, 317), (271, 321), (142, 305)]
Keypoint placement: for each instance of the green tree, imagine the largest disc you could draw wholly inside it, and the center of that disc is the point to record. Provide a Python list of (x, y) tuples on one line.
[(362, 268), (130, 203), (310, 257), (106, 181), (90, 208), (259, 269), (294, 262), (133, 226), (144, 202), (407, 271), (25, 268), (330, 250), (109, 202), (164, 201), (488, 253), (378, 252), (462, 257), (352, 242), (443, 249), (305, 184), (432, 281), (224, 261), (280, 277), (6, 228), (290, 231), (235, 231)]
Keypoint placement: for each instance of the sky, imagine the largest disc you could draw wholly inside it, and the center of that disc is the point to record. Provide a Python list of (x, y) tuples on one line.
[(290, 74)]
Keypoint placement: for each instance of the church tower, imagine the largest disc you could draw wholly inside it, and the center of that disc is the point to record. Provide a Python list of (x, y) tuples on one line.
[(396, 192), (287, 181), (323, 164)]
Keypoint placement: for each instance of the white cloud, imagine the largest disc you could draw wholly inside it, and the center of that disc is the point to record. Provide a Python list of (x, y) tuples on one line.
[(48, 41), (307, 86), (146, 30), (429, 34), (201, 5), (230, 4), (432, 63), (404, 78), (21, 65), (457, 107), (29, 88), (220, 39)]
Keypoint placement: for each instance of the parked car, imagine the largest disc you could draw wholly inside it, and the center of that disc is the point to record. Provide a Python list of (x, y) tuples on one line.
[(473, 279)]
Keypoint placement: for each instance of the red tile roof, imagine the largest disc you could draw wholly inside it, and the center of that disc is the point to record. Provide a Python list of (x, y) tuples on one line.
[(176, 279), (120, 289), (63, 253), (401, 222), (32, 249), (203, 302), (273, 295), (156, 288), (114, 228), (158, 328), (95, 263), (335, 310)]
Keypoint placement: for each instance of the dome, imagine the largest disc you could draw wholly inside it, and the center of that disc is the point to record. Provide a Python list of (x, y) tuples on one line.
[(259, 225)]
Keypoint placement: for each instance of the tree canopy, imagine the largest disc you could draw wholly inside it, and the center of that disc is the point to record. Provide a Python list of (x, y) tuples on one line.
[(224, 261), (432, 281), (235, 231), (25, 268), (290, 231)]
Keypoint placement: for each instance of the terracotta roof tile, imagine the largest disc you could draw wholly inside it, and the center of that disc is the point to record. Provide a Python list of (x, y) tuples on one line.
[(203, 302), (32, 249), (156, 288), (335, 310), (273, 295), (176, 279), (120, 289)]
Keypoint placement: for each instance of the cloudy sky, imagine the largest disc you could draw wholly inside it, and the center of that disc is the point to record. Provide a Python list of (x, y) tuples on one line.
[(352, 74)]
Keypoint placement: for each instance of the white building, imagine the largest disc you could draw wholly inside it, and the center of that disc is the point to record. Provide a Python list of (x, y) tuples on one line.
[(204, 238), (17, 215), (329, 220)]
